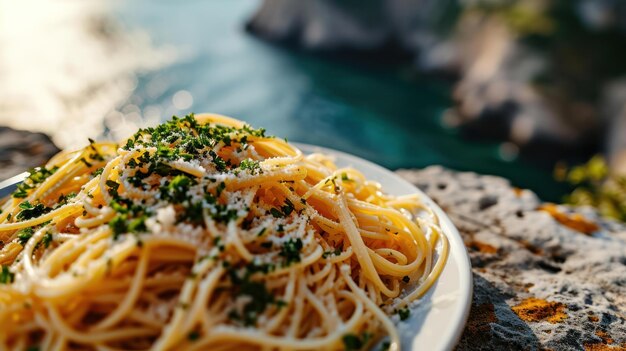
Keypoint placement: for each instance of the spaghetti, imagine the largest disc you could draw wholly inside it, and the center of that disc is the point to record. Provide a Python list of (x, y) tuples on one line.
[(204, 234)]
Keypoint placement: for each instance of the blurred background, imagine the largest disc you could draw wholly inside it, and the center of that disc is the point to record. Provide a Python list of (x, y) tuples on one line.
[(515, 88)]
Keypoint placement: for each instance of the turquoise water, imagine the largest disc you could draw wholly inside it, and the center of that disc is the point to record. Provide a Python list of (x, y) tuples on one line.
[(384, 114)]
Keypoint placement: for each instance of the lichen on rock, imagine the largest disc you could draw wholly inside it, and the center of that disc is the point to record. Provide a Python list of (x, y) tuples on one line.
[(545, 276)]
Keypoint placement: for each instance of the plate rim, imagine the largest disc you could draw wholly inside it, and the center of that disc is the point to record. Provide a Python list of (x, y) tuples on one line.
[(457, 247)]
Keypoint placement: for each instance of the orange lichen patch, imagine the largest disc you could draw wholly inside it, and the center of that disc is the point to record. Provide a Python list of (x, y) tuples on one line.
[(593, 319), (604, 336), (603, 347), (482, 247), (574, 221), (535, 310)]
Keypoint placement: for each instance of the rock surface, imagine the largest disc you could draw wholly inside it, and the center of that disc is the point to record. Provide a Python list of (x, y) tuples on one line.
[(21, 150), (545, 277)]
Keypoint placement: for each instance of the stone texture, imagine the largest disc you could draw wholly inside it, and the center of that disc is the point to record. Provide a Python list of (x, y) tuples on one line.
[(21, 150), (545, 277)]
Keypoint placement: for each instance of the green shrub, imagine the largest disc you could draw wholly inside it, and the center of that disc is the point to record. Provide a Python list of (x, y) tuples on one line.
[(596, 187)]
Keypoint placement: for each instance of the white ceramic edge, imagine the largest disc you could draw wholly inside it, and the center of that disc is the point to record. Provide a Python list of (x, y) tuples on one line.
[(457, 247)]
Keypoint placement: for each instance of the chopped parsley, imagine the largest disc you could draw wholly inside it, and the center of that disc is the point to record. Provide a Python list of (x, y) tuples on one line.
[(64, 199), (29, 211), (24, 235), (404, 313), (352, 342), (46, 240), (137, 225), (6, 276), (94, 155), (118, 225), (287, 208), (220, 188), (253, 167), (83, 160), (219, 162), (259, 296), (122, 223), (36, 177), (185, 138), (176, 191), (223, 214), (276, 213), (193, 336), (112, 186), (262, 231), (284, 211), (291, 251), (335, 252), (255, 132)]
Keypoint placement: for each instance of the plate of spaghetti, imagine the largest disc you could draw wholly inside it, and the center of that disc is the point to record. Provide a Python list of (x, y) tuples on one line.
[(204, 233)]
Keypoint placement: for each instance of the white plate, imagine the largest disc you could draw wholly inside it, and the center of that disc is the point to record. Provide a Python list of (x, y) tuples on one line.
[(437, 322)]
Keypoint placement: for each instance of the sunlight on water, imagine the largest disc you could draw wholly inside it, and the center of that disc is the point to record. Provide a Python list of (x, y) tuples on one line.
[(65, 65)]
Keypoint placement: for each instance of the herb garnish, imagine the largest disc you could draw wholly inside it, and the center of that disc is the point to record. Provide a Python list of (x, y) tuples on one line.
[(287, 208), (276, 213), (260, 296), (336, 252), (185, 138), (6, 276), (353, 342), (404, 313), (284, 211), (29, 211), (36, 176), (261, 232), (46, 240), (24, 235), (291, 251), (253, 167), (193, 335)]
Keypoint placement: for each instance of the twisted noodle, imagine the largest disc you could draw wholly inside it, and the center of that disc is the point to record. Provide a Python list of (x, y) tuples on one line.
[(204, 234)]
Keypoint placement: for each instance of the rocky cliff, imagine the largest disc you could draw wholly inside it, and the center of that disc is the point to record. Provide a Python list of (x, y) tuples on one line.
[(546, 277)]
